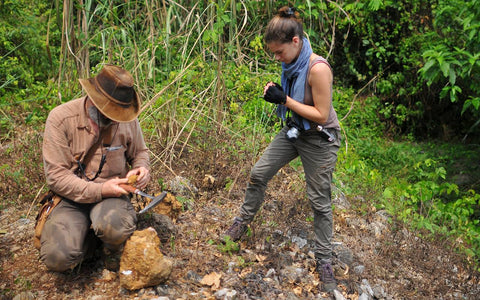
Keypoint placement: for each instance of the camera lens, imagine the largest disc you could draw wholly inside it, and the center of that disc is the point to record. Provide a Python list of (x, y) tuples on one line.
[(293, 134)]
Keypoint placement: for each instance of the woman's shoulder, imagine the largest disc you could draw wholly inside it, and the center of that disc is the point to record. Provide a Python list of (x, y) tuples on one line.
[(319, 68), (318, 63), (315, 58)]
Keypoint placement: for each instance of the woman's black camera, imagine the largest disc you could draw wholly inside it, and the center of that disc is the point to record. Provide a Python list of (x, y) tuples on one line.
[(293, 132)]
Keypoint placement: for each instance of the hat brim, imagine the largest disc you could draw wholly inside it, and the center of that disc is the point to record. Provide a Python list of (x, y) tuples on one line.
[(108, 108)]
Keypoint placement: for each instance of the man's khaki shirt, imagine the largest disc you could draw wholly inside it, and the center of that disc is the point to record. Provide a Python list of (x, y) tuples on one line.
[(69, 135)]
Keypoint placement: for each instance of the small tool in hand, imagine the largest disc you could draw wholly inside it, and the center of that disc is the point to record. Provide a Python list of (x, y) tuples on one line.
[(155, 199)]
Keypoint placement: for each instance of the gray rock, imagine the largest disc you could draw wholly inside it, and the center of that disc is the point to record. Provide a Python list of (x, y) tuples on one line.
[(366, 288), (226, 294), (270, 273), (343, 254), (162, 290), (339, 199), (359, 269), (182, 186), (231, 266), (164, 227), (356, 223), (379, 292), (377, 228), (364, 296), (293, 274), (382, 216), (284, 259), (299, 241), (193, 276), (24, 296), (338, 295), (291, 296)]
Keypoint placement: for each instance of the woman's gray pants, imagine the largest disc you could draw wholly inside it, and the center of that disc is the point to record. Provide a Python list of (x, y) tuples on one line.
[(318, 159)]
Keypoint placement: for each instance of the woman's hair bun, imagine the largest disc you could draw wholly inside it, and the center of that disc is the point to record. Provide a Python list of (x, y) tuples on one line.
[(287, 12)]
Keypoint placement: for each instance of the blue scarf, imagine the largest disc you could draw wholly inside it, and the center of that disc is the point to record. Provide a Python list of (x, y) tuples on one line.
[(293, 80)]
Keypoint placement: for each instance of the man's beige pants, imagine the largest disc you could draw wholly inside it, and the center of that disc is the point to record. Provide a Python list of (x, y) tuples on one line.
[(65, 239)]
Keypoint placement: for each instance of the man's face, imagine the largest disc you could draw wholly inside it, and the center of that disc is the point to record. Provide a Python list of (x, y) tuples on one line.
[(98, 117)]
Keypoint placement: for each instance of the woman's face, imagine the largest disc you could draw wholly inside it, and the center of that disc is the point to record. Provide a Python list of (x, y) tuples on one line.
[(286, 52)]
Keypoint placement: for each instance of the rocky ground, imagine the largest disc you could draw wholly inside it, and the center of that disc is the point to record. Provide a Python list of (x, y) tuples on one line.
[(376, 257)]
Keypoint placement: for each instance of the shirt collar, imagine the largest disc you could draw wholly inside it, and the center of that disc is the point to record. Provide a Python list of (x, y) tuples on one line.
[(84, 122)]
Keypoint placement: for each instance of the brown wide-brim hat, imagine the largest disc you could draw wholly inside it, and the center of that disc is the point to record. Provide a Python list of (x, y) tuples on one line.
[(112, 92)]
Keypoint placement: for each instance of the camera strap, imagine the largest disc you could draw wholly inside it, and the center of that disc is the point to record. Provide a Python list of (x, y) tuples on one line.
[(291, 121), (105, 136)]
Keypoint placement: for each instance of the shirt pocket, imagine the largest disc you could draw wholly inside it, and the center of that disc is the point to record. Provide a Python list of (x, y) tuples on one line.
[(116, 163)]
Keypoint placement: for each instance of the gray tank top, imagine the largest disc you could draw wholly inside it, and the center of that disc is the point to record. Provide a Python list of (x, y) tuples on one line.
[(332, 121)]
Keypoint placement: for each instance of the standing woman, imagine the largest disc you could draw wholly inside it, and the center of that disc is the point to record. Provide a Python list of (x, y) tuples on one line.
[(312, 132)]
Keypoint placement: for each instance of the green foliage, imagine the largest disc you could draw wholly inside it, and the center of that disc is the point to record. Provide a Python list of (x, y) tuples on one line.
[(402, 51), (454, 63), (359, 116), (228, 246), (416, 188), (381, 50), (457, 220), (413, 181), (376, 41), (25, 57), (425, 204), (27, 64)]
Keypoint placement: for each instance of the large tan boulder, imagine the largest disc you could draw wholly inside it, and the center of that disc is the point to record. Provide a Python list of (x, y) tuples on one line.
[(142, 263)]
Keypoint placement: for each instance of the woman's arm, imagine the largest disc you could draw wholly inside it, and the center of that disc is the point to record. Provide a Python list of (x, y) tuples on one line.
[(320, 79)]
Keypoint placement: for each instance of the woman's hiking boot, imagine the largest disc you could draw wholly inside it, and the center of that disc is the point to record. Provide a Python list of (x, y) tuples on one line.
[(236, 231), (325, 270)]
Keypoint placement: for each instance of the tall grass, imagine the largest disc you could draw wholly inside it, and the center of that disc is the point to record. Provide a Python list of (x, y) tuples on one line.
[(159, 42)]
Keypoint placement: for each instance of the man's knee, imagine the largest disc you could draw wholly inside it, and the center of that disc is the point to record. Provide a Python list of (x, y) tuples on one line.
[(115, 233), (59, 260)]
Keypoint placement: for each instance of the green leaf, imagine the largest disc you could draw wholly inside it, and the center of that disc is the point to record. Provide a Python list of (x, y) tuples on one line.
[(388, 193), (374, 5), (452, 76), (428, 65), (445, 67)]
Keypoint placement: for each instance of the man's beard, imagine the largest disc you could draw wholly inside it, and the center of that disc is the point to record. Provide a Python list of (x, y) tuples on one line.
[(98, 117)]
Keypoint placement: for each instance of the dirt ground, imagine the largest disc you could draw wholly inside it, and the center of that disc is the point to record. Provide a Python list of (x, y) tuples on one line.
[(399, 261)]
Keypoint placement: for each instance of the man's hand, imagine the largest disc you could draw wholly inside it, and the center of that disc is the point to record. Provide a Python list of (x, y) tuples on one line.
[(143, 176), (273, 93), (111, 188)]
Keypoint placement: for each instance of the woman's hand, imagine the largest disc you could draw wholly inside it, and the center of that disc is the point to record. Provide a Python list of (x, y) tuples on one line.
[(273, 93)]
